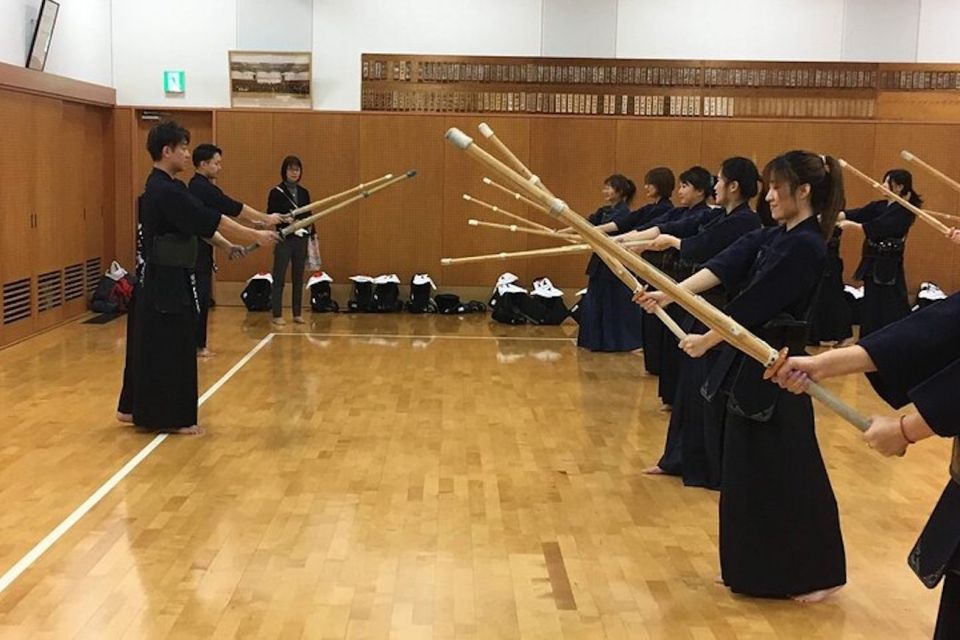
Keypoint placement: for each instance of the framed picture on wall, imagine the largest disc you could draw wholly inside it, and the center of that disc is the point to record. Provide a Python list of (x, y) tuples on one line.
[(271, 79), (42, 35)]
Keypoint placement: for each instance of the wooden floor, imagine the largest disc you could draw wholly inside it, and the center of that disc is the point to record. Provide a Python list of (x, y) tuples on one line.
[(407, 477)]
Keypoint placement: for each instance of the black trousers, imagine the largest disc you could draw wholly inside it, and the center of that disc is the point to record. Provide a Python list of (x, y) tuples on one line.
[(293, 251), (204, 294), (948, 620), (125, 403)]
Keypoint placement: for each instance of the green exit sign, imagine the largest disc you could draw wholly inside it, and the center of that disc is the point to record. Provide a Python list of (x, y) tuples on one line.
[(174, 81)]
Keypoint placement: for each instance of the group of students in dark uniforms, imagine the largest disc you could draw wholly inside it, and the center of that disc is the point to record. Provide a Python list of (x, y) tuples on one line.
[(729, 429), (774, 268)]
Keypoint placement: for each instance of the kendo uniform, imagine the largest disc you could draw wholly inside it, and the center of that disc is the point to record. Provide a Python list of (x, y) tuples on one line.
[(214, 198), (831, 317), (609, 319), (918, 361), (165, 388), (651, 326), (779, 525), (125, 403), (661, 352), (293, 250), (694, 443), (885, 227)]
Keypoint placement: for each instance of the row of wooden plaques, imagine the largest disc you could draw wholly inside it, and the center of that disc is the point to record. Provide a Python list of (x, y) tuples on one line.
[(617, 104)]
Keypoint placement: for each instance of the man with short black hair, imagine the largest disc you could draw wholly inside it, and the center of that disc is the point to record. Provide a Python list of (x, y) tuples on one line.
[(207, 163)]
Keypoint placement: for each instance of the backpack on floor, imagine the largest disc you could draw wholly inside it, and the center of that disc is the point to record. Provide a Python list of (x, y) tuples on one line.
[(448, 304), (362, 300), (321, 298), (256, 295), (421, 286), (114, 291), (554, 311), (386, 294), (504, 279), (927, 295), (511, 302)]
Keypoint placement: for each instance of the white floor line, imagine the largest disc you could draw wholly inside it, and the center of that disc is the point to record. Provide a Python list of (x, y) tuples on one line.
[(51, 538), (420, 337)]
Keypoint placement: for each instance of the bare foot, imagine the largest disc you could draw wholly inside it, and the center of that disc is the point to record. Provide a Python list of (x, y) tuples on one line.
[(126, 418), (193, 430), (205, 353), (299, 320), (719, 580), (665, 408), (817, 596), (653, 471)]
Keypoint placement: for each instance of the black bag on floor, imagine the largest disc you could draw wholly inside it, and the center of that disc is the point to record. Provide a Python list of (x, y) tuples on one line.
[(928, 294), (321, 298), (504, 279), (421, 286), (256, 295), (386, 294), (513, 305), (448, 304), (362, 300), (554, 311)]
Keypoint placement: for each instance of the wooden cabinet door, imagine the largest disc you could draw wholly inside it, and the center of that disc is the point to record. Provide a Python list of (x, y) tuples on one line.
[(51, 193), (17, 207)]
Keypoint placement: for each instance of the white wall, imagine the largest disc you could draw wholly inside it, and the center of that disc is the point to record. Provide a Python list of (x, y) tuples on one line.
[(189, 35), (128, 43), (81, 45), (938, 39), (731, 30), (343, 29), (277, 25), (881, 31), (579, 28)]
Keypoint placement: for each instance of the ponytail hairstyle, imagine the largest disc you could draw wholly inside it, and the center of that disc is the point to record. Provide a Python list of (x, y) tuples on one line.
[(905, 179), (744, 172), (662, 180), (824, 176), (698, 178), (623, 186)]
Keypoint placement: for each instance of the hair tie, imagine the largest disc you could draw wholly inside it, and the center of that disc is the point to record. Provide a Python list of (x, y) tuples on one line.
[(823, 159)]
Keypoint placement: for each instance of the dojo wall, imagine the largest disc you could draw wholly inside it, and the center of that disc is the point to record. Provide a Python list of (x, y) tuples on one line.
[(409, 228)]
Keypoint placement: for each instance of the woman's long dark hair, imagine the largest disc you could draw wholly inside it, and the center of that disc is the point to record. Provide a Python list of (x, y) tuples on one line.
[(824, 176)]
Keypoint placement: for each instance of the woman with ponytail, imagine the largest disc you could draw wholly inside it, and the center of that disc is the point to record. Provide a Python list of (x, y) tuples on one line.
[(779, 526), (695, 435), (608, 320), (885, 224)]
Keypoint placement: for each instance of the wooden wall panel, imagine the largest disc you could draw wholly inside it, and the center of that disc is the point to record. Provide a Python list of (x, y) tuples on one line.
[(18, 154), (463, 175), (120, 224), (572, 157), (72, 158), (400, 228), (249, 172), (95, 188)]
